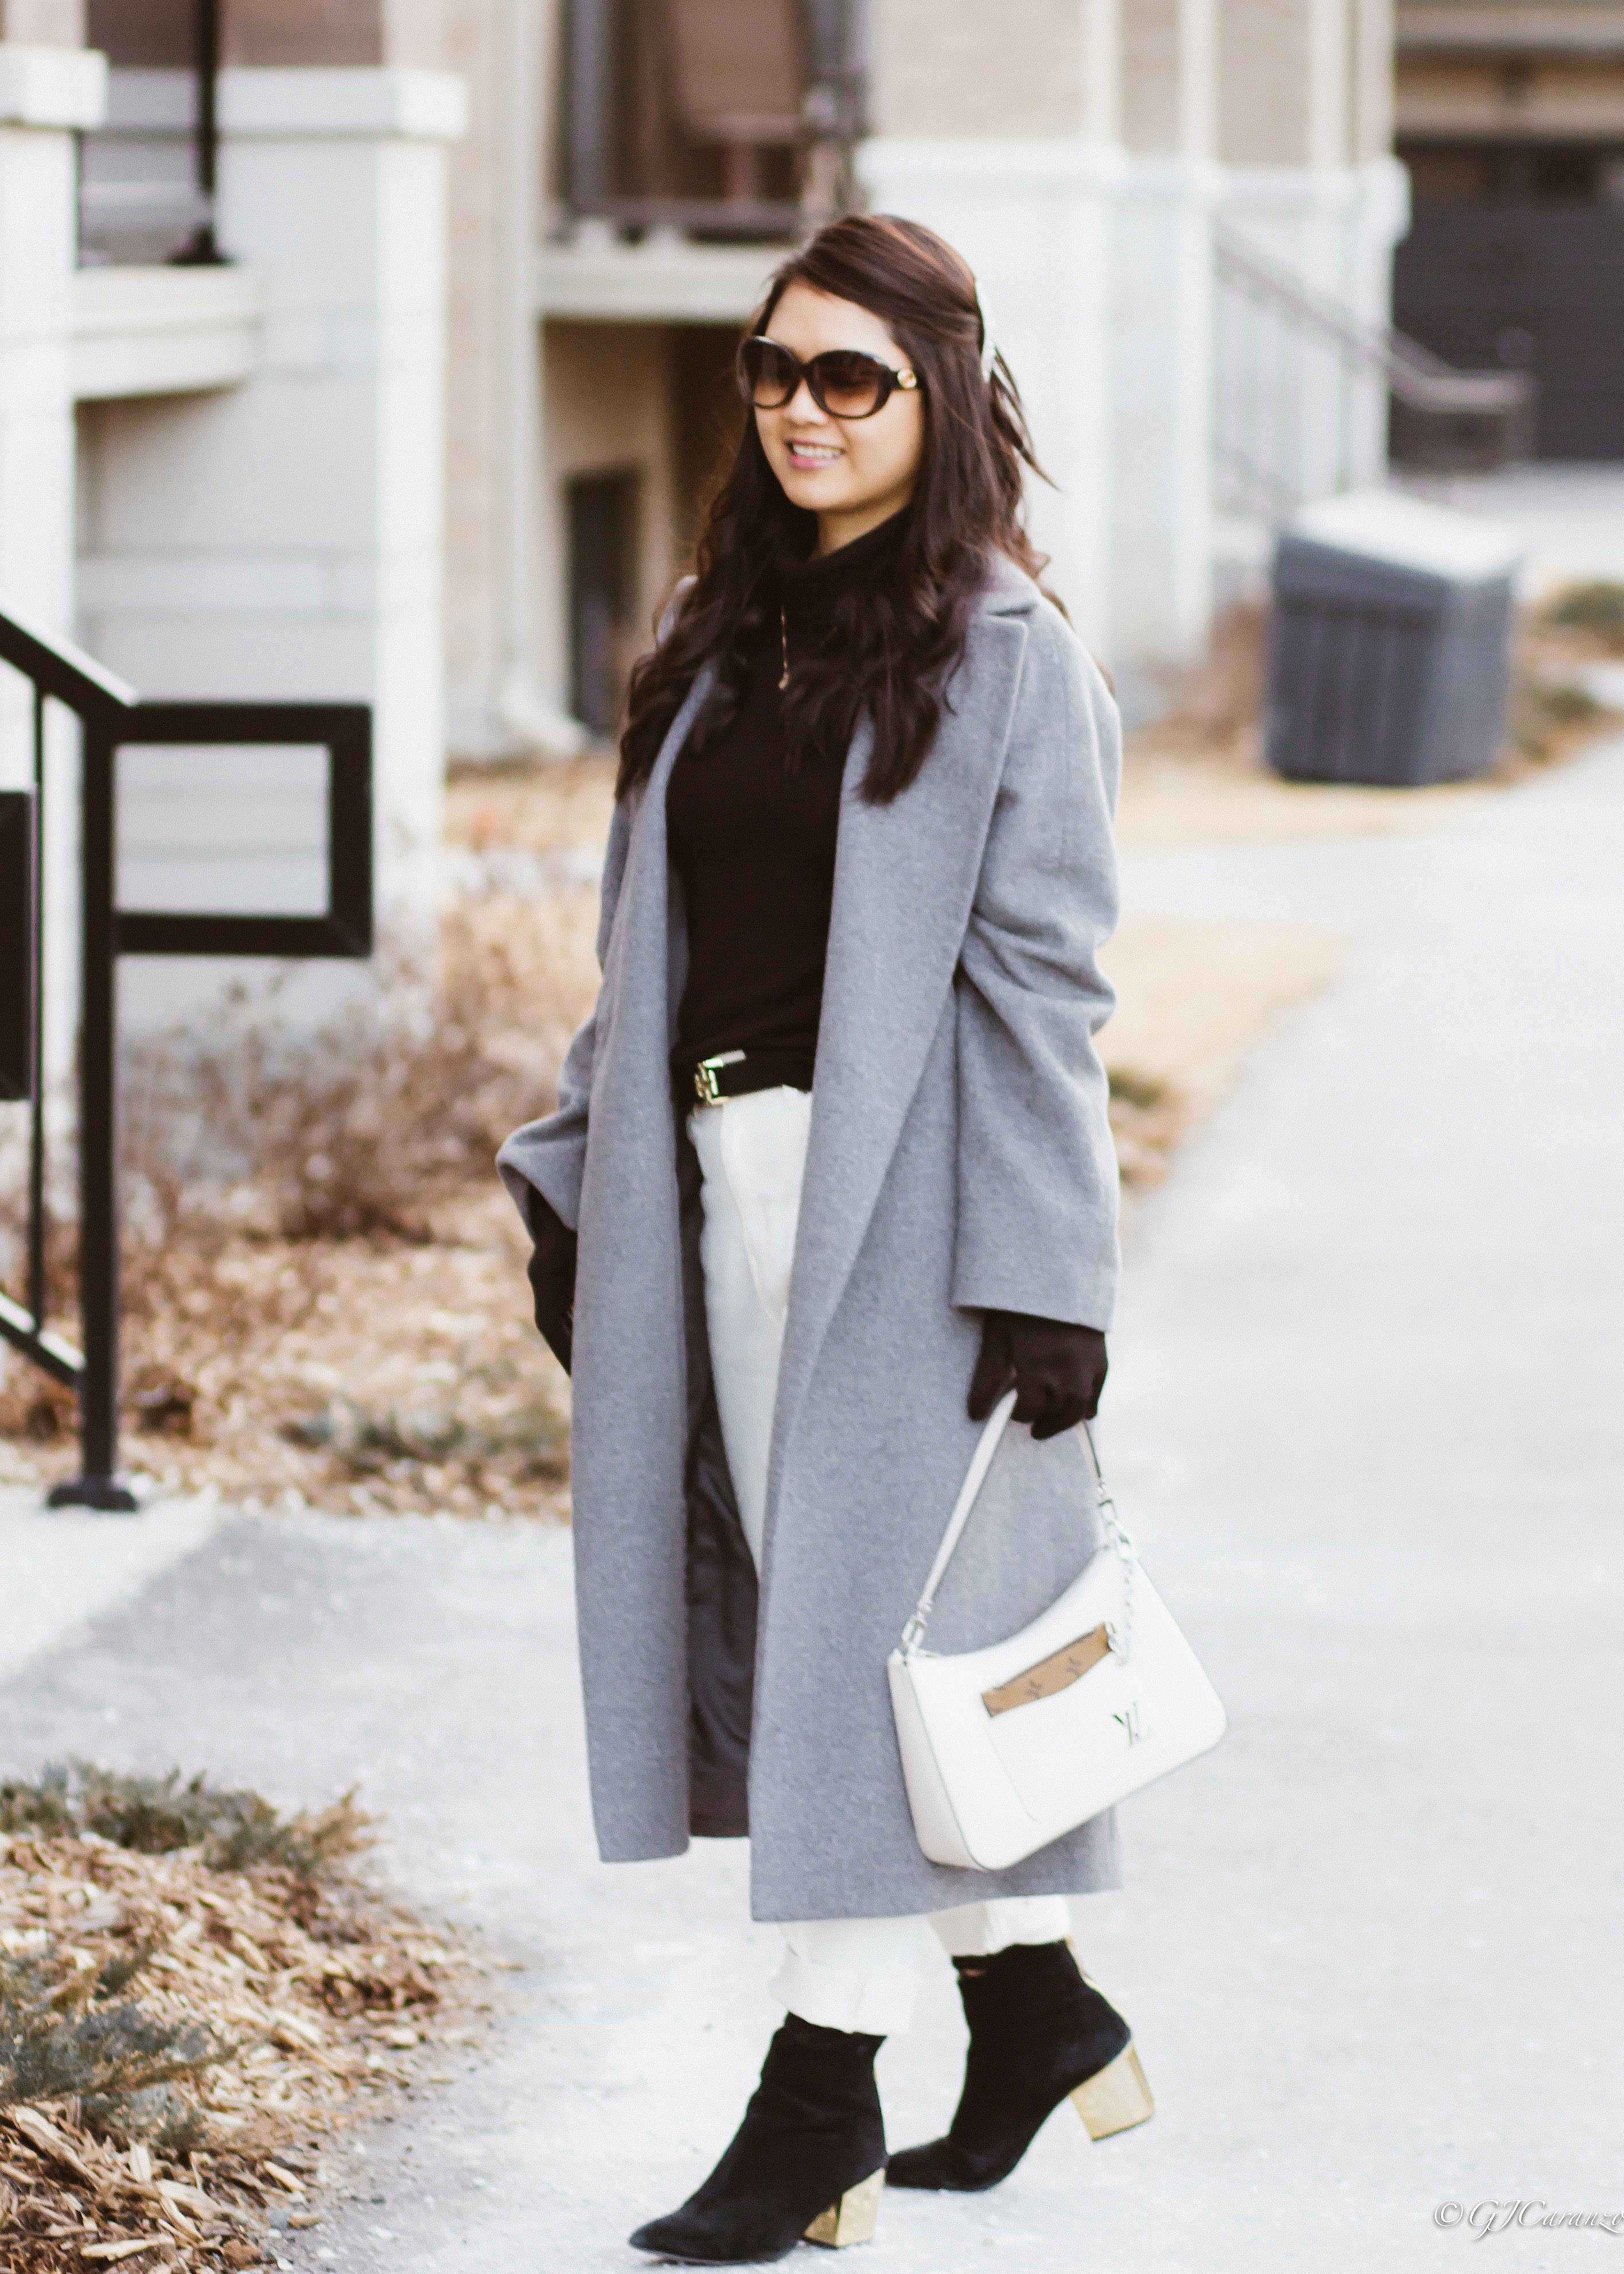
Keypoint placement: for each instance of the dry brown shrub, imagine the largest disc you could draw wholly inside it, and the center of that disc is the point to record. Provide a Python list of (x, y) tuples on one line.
[(358, 1127), (323, 1294)]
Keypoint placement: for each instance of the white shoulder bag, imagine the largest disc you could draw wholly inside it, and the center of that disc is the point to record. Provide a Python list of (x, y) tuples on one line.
[(1007, 1748)]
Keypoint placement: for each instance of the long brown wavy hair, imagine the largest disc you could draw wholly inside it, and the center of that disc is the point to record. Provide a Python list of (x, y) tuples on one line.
[(895, 648)]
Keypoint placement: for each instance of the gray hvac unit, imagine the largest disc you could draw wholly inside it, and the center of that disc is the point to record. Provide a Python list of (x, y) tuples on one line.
[(1390, 651)]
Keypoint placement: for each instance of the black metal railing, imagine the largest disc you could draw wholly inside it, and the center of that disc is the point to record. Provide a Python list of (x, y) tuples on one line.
[(148, 177), (112, 717)]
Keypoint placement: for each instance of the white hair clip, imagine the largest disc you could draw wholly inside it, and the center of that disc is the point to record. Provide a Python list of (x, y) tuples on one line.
[(989, 344)]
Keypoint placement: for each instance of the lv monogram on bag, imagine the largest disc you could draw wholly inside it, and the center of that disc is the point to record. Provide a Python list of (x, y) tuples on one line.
[(1050, 1674)]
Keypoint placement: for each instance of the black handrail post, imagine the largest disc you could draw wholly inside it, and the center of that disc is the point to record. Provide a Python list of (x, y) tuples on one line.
[(37, 1288), (98, 1486), (110, 714), (202, 249)]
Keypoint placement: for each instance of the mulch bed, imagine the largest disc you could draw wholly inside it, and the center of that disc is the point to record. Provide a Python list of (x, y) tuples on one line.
[(334, 1998)]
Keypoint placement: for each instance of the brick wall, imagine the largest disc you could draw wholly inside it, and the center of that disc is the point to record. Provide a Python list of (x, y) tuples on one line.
[(158, 34), (979, 67), (1305, 82), (143, 34), (287, 33)]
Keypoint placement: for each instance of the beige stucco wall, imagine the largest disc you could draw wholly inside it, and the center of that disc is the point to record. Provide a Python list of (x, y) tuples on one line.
[(608, 397), (964, 67)]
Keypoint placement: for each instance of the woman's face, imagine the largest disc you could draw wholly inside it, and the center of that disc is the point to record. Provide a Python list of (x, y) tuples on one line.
[(853, 473)]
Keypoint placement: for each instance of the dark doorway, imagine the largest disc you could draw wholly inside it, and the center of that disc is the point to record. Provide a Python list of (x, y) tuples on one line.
[(1515, 260), (602, 585)]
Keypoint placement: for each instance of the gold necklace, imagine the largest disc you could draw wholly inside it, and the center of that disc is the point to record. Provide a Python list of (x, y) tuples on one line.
[(783, 642)]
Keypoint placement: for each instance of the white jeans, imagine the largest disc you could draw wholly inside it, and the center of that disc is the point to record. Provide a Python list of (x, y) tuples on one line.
[(844, 1974)]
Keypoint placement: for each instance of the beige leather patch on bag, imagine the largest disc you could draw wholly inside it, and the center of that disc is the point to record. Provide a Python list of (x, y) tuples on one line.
[(1050, 1674)]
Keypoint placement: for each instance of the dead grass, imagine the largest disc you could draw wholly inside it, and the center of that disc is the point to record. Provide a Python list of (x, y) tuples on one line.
[(1194, 1000), (1592, 612), (363, 1126), (317, 1999)]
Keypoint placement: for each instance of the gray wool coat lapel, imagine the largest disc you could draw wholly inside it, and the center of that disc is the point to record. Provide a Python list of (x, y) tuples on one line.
[(905, 874)]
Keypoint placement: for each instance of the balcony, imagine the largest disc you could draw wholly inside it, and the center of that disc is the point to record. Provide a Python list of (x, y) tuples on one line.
[(723, 121), (163, 330)]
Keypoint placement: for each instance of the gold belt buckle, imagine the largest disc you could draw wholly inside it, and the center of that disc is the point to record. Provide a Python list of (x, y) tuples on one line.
[(705, 1073)]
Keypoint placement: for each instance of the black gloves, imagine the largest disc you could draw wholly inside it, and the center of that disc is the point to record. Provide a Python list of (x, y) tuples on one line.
[(552, 1272), (1058, 1370)]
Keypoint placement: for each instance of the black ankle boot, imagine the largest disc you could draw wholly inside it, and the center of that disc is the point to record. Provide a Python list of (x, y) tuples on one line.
[(807, 2161), (1038, 2031)]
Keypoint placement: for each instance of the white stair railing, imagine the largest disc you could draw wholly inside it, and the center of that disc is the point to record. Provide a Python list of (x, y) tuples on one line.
[(1305, 393)]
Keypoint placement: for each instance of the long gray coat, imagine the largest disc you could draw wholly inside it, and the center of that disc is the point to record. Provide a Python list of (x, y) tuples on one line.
[(960, 1159)]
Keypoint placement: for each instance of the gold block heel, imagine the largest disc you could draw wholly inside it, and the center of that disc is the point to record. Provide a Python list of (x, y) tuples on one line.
[(1117, 2099), (854, 2218)]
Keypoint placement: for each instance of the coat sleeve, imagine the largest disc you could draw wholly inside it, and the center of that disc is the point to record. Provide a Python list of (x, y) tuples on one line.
[(551, 1153), (1037, 1168)]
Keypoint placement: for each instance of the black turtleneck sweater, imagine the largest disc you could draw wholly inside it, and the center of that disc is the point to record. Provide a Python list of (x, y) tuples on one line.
[(754, 846)]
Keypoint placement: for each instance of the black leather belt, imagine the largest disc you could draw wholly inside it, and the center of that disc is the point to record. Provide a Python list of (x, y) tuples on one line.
[(735, 1073)]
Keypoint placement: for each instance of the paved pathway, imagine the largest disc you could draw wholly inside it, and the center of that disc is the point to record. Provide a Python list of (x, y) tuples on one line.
[(1364, 1416), (61, 1570)]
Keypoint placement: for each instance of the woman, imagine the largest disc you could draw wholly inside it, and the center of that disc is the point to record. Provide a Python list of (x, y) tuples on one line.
[(834, 1154)]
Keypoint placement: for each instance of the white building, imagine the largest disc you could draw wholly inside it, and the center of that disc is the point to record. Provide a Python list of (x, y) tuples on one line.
[(432, 433)]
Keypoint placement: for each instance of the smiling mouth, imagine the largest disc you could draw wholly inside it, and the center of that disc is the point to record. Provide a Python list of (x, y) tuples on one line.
[(812, 454)]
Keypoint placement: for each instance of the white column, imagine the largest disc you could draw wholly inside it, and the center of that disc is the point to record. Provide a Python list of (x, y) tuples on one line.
[(285, 538), (1162, 340), (45, 95), (1034, 217), (1162, 592), (529, 712)]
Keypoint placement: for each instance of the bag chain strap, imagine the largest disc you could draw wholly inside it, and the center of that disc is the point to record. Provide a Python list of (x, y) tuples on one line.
[(1118, 1537)]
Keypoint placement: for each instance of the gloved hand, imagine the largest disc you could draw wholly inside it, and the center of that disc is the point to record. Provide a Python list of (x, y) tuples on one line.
[(1058, 1370), (552, 1272)]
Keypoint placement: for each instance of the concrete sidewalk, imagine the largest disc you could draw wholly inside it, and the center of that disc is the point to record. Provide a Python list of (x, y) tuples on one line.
[(63, 1568), (1364, 1417)]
